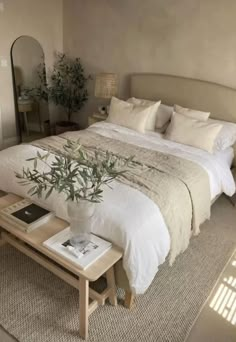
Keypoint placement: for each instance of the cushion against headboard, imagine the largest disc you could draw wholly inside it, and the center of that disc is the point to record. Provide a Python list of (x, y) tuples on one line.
[(210, 97)]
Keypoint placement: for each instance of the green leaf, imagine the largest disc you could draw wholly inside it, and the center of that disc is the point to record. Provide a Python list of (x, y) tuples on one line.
[(77, 172), (49, 192)]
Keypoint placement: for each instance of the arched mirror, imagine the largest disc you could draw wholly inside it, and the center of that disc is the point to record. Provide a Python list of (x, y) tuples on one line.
[(29, 76)]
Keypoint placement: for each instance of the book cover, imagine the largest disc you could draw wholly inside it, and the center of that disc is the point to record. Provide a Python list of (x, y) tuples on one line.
[(26, 215), (30, 213), (84, 254)]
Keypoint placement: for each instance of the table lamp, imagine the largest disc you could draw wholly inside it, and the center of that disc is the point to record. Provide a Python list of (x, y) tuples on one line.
[(106, 86)]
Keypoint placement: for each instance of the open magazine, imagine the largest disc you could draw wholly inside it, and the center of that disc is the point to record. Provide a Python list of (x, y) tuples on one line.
[(83, 253)]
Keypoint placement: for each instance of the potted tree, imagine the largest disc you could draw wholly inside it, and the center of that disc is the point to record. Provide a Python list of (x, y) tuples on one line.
[(66, 88)]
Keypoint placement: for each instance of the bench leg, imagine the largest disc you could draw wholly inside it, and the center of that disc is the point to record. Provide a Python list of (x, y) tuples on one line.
[(83, 307), (129, 299), (112, 286)]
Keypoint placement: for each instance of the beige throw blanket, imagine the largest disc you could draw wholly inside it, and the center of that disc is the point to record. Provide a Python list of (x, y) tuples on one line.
[(179, 187)]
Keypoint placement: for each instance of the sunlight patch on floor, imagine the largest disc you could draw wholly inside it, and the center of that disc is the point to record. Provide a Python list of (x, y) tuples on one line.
[(224, 301)]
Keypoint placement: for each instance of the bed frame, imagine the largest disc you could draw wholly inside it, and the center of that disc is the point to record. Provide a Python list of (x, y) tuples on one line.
[(217, 99)]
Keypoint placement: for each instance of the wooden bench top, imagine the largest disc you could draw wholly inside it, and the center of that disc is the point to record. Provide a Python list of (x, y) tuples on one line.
[(36, 238)]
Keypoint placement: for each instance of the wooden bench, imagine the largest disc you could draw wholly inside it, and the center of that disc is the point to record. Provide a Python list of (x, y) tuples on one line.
[(31, 244)]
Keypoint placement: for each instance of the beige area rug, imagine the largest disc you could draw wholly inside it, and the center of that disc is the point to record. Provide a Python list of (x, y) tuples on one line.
[(35, 306)]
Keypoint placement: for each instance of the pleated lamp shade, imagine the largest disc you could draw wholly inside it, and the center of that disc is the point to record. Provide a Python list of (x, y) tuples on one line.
[(106, 85)]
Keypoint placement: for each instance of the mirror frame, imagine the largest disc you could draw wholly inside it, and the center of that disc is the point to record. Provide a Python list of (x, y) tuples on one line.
[(17, 116)]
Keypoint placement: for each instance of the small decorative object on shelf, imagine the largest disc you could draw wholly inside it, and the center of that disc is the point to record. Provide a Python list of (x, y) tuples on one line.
[(81, 252), (78, 174), (26, 215), (102, 110)]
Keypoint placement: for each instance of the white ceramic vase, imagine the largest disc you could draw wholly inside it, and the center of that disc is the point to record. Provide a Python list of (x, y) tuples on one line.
[(81, 215)]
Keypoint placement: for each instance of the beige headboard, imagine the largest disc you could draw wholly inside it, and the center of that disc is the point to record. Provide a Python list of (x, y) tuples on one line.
[(215, 98)]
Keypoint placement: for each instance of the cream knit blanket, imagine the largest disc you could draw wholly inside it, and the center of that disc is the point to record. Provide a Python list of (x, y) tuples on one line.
[(179, 187)]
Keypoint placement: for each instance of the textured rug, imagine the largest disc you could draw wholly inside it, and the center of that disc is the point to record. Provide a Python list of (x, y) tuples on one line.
[(35, 306)]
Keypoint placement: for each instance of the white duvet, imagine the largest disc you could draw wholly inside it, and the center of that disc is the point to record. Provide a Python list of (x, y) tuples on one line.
[(126, 216)]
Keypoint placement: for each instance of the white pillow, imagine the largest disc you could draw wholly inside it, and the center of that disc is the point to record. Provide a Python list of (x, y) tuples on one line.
[(162, 115), (151, 122), (226, 137), (192, 132), (192, 113), (126, 114)]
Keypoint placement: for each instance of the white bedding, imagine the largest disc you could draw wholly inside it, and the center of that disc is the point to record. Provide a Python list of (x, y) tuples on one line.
[(126, 216)]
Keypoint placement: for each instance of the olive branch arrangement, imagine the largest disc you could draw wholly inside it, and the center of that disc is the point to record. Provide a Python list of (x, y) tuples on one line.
[(78, 173)]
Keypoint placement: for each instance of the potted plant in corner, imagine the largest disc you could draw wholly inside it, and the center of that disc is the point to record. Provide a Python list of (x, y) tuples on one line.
[(67, 88)]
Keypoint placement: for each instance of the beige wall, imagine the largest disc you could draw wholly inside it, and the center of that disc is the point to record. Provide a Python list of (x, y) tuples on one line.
[(192, 38), (182, 37), (39, 19)]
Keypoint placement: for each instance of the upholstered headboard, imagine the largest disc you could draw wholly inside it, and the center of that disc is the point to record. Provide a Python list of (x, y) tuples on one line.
[(215, 98), (206, 96)]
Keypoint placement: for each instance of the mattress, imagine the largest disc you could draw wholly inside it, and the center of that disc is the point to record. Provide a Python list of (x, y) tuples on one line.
[(126, 216)]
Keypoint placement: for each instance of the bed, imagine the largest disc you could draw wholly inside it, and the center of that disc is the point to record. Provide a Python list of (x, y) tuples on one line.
[(142, 232)]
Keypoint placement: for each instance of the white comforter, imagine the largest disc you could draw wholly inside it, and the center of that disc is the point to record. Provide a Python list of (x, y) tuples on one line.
[(126, 216)]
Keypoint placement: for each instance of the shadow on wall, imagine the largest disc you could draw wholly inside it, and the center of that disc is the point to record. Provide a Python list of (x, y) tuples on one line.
[(32, 109)]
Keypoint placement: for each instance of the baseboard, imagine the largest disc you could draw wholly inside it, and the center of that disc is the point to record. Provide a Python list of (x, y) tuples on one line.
[(8, 142)]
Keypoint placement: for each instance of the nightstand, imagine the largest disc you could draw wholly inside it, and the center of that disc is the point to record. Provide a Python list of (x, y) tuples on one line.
[(96, 117)]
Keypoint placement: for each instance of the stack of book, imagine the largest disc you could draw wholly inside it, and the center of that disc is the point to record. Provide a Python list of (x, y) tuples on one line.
[(83, 253), (26, 215)]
